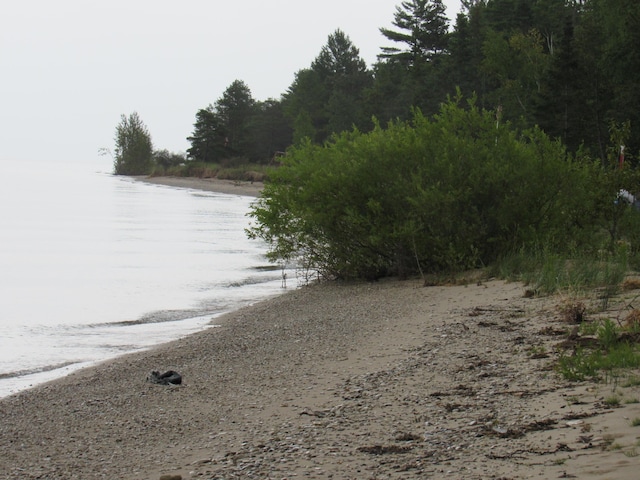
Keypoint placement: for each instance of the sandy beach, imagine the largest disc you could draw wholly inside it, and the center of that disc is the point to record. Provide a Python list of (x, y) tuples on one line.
[(232, 187), (385, 380)]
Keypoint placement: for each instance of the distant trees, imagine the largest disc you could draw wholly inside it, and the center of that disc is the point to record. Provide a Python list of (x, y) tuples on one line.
[(568, 66), (234, 109), (208, 140), (166, 159), (326, 98), (329, 97), (237, 126), (220, 131), (268, 132), (133, 154)]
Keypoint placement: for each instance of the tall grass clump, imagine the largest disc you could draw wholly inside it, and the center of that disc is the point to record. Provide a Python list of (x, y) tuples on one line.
[(548, 272)]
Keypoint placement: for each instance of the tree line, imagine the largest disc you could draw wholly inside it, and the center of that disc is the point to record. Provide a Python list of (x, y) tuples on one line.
[(568, 66)]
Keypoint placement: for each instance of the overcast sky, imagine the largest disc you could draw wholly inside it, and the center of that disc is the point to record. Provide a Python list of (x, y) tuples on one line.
[(70, 68)]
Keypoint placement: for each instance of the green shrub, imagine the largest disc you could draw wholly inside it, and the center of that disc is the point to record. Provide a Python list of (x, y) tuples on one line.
[(430, 195), (584, 363), (200, 169)]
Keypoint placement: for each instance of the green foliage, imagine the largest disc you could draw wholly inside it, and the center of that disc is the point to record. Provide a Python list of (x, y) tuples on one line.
[(548, 271), (632, 381), (440, 194), (236, 126), (568, 67), (423, 30), (610, 356), (608, 334), (579, 366), (133, 154), (233, 110), (329, 97), (200, 169), (246, 172), (267, 132), (208, 138), (612, 401), (166, 159)]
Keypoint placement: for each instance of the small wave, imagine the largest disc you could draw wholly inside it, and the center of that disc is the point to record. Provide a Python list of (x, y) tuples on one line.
[(251, 281), (32, 371), (267, 268), (162, 316)]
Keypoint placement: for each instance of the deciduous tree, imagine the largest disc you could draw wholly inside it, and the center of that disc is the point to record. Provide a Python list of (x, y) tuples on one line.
[(133, 153)]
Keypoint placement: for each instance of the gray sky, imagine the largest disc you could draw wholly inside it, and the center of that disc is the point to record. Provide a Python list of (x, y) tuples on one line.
[(70, 68)]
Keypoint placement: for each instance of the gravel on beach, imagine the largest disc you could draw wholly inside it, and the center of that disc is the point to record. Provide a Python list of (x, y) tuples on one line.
[(343, 381)]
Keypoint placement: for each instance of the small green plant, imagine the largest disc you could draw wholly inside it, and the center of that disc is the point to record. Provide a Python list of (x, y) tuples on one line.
[(579, 366), (537, 351), (632, 381), (631, 453), (629, 401), (589, 328), (608, 334), (612, 401), (633, 327), (574, 400), (584, 363), (635, 422), (622, 355)]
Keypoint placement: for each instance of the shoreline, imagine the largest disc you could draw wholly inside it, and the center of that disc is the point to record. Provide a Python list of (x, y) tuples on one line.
[(231, 187), (18, 378), (341, 381)]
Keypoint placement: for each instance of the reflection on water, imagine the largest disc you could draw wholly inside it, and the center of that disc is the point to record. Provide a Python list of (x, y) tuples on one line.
[(92, 265)]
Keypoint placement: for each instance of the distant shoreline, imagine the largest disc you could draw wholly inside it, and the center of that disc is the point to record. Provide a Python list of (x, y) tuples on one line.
[(231, 187)]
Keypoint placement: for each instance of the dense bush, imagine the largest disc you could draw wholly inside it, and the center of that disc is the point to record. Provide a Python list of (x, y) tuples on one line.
[(167, 160), (447, 193)]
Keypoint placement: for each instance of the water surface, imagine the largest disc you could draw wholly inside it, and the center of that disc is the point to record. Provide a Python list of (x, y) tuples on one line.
[(93, 266)]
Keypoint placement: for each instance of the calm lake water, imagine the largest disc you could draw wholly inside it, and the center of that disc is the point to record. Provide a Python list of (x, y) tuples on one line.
[(93, 266)]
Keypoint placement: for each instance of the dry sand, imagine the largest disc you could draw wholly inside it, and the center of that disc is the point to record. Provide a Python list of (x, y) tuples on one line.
[(386, 380)]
